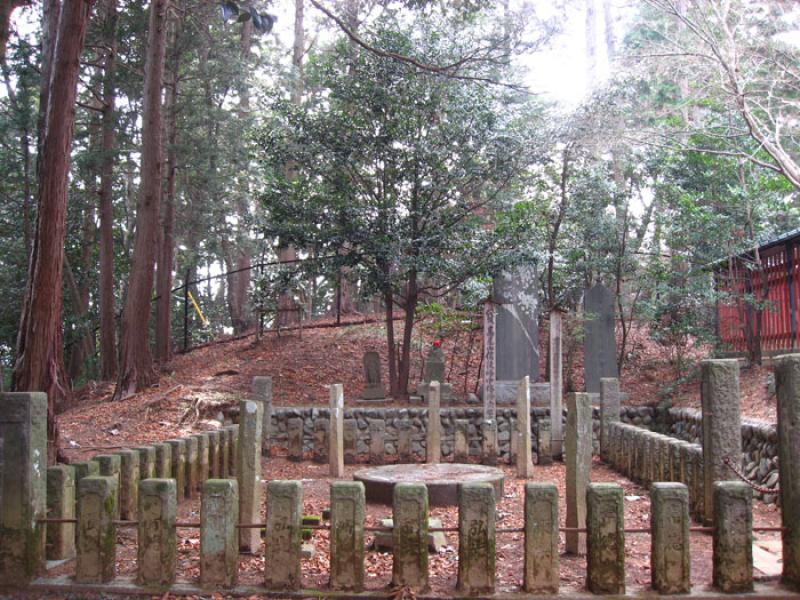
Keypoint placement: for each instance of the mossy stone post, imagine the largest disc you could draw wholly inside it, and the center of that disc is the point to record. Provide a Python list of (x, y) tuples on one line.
[(697, 457), (541, 539), (283, 539), (192, 467), (410, 536), (128, 484), (433, 447), (670, 564), (461, 441), (525, 445), (219, 537), (97, 535), (202, 458), (249, 470), (787, 383), (234, 433), (336, 453), (147, 462), (85, 468), (163, 460), (262, 392), (294, 427), (579, 462), (610, 401), (60, 505), (674, 460), (213, 455), (489, 442), (544, 441), (23, 470), (476, 538), (404, 441), (110, 466), (377, 447), (605, 539), (347, 535), (321, 441), (733, 537), (722, 425), (178, 456), (156, 544)]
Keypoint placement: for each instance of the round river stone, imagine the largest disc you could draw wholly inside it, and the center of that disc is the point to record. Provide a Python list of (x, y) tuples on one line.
[(442, 480)]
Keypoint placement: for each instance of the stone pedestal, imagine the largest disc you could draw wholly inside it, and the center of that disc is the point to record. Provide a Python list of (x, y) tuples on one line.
[(337, 453), (219, 538), (605, 545), (722, 424), (284, 515), (733, 537), (541, 575), (249, 470), (60, 505), (156, 543), (97, 535), (579, 463), (434, 426), (410, 536), (476, 533), (524, 448), (670, 564), (347, 535)]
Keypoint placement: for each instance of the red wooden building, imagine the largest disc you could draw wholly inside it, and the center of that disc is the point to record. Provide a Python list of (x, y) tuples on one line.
[(774, 287)]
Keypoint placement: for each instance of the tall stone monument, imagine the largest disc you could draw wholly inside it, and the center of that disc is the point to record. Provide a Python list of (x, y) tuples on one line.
[(516, 297), (600, 345)]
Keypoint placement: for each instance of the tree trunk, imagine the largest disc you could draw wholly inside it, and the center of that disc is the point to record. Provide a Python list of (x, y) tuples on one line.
[(108, 326), (83, 345), (40, 358), (6, 8), (136, 361), (166, 250), (412, 297)]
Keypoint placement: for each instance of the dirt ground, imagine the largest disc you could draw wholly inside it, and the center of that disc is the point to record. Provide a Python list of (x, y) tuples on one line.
[(444, 565)]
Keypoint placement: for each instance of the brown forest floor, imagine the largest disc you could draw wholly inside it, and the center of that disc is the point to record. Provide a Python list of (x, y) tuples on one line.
[(193, 384)]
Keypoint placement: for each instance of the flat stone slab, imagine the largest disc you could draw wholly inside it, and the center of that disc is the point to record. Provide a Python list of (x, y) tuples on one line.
[(442, 480)]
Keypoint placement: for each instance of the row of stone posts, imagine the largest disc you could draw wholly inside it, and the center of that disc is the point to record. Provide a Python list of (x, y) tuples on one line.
[(189, 461)]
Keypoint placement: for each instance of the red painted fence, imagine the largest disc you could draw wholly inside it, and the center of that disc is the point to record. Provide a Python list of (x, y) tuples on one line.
[(775, 287)]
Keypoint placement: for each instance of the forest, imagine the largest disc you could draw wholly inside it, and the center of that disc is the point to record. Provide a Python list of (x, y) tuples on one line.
[(181, 170)]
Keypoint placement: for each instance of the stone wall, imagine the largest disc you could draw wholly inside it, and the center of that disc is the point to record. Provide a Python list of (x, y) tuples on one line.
[(759, 445), (506, 417)]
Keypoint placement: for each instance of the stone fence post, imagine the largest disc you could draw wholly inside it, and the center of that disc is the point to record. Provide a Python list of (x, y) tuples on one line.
[(61, 505), (336, 431), (609, 411), (434, 426), (156, 543), (347, 535), (97, 534), (262, 392), (670, 564), (476, 539), (524, 446), (605, 539), (284, 516), (579, 463), (410, 536), (541, 574), (219, 537), (249, 472), (787, 382), (722, 425), (733, 537)]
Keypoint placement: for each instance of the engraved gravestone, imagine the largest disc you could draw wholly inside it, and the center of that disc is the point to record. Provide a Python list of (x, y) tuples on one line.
[(516, 297), (373, 385), (600, 346)]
